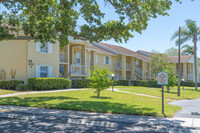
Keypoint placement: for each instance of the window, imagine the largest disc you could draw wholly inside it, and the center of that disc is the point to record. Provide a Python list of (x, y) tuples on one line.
[(78, 58), (96, 59), (118, 62), (44, 49), (47, 48), (118, 76), (107, 60), (137, 62), (43, 71)]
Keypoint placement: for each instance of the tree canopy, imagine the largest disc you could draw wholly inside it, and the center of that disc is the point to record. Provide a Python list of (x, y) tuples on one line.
[(171, 51), (48, 20)]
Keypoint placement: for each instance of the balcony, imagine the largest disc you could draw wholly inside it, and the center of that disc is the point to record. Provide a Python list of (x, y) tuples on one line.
[(118, 67), (138, 71), (190, 76), (128, 66), (63, 57), (79, 70)]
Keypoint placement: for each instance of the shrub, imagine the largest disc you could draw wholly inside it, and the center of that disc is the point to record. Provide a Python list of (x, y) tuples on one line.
[(145, 83), (100, 79), (81, 83), (49, 83), (11, 84), (121, 82), (23, 88)]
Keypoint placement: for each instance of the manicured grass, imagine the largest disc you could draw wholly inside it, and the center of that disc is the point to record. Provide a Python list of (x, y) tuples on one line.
[(5, 92), (86, 100), (187, 93)]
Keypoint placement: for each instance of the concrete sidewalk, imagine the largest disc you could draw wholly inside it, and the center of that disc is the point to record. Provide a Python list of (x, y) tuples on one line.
[(179, 122), (37, 92)]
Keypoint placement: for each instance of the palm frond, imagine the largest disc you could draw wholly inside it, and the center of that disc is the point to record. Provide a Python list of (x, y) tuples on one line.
[(175, 35)]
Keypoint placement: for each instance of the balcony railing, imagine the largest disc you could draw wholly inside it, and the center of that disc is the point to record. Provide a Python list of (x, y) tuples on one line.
[(63, 57), (190, 76), (128, 66), (138, 71), (79, 69), (118, 67)]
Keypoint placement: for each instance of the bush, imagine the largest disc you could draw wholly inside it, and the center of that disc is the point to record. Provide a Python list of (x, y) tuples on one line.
[(11, 84), (49, 83), (121, 82), (81, 83), (23, 88), (145, 83)]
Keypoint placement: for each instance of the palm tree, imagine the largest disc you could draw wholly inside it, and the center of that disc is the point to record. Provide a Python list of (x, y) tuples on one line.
[(187, 50), (191, 32)]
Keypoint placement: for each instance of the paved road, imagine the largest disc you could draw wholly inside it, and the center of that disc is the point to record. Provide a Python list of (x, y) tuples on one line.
[(35, 123), (27, 119), (190, 108)]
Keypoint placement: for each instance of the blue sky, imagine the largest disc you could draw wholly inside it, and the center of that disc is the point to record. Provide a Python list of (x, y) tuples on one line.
[(159, 31)]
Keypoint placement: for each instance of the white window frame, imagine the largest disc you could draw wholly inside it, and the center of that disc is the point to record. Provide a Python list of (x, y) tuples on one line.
[(118, 75), (96, 59), (109, 60), (48, 46), (78, 58), (49, 71), (46, 72)]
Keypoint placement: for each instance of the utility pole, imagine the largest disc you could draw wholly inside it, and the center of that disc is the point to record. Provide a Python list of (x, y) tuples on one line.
[(195, 59), (179, 62)]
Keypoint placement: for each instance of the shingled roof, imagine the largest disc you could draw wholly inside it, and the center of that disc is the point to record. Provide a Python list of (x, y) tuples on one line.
[(121, 50), (99, 50), (184, 58)]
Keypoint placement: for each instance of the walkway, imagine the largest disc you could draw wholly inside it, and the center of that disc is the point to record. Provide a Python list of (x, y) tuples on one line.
[(190, 108), (139, 94), (36, 92)]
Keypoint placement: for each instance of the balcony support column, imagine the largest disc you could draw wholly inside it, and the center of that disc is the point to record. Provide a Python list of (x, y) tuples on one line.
[(123, 67), (92, 58), (83, 58), (133, 62), (144, 70), (184, 71)]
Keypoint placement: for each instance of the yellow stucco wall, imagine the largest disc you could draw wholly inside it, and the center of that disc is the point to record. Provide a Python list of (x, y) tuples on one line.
[(50, 59), (13, 55)]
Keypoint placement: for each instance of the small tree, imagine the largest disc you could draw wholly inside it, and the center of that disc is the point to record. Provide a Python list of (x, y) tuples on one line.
[(100, 79), (172, 76)]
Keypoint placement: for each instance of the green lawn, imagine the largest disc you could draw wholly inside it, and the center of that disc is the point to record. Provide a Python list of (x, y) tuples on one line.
[(86, 100), (5, 92), (187, 93)]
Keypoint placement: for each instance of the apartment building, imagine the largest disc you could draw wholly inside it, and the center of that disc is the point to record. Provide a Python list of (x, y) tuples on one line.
[(23, 58)]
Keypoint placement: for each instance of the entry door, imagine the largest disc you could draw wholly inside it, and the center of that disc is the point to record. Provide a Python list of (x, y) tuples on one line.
[(78, 58)]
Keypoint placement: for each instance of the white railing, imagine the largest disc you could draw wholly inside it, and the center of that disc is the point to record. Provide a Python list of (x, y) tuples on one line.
[(63, 57), (190, 76), (128, 66), (138, 71), (118, 67), (79, 69)]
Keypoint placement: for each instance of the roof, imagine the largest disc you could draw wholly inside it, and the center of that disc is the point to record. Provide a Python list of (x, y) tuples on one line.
[(184, 58), (99, 50), (124, 51), (145, 53)]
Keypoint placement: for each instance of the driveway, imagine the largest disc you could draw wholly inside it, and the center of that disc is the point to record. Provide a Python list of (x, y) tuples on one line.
[(190, 108)]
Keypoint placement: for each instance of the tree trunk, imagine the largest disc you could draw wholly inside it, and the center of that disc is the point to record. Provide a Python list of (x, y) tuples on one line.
[(98, 94), (195, 63), (167, 89)]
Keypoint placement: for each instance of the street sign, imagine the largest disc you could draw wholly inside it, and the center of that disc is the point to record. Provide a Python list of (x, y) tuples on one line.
[(162, 78)]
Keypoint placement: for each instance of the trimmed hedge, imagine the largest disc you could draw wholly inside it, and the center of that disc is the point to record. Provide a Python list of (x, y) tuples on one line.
[(145, 83), (10, 84), (23, 88), (121, 82), (49, 83), (81, 83)]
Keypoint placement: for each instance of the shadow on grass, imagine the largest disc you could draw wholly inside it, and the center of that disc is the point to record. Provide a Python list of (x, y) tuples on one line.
[(100, 97), (72, 104)]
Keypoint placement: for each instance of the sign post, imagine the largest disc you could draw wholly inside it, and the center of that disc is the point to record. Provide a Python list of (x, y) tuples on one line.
[(162, 79)]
